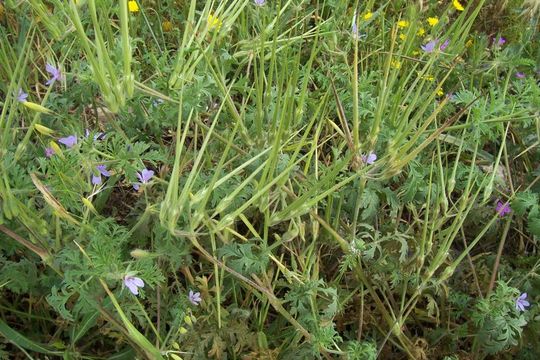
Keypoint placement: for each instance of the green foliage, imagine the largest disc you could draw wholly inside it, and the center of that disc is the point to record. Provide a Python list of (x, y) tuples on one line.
[(499, 324), (256, 122), (242, 258), (361, 350), (528, 204)]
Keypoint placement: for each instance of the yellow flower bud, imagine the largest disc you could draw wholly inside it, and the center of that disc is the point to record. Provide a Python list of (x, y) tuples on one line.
[(56, 148), (43, 130), (37, 107), (89, 205)]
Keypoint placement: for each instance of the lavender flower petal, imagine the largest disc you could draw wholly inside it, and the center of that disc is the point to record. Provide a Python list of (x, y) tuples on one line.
[(103, 170), (133, 284), (145, 175), (22, 96), (444, 45), (49, 152), (69, 141), (194, 298), (430, 46), (96, 179)]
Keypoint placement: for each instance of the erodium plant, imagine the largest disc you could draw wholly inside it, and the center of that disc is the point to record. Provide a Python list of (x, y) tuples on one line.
[(288, 179)]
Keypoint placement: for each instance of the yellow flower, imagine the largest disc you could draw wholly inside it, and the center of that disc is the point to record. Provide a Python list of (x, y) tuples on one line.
[(166, 26), (396, 64), (440, 92), (429, 77), (421, 32), (133, 6), (214, 22), (368, 15), (469, 43), (403, 23), (432, 21), (458, 5)]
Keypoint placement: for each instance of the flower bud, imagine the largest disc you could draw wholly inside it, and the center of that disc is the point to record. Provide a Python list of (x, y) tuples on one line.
[(139, 253), (43, 129), (37, 107)]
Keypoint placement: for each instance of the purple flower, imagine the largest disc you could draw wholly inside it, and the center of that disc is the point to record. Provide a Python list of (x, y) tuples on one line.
[(97, 136), (444, 45), (430, 46), (520, 75), (194, 298), (502, 208), (499, 41), (259, 2), (22, 96), (354, 29), (133, 284), (96, 179), (55, 73), (144, 176), (69, 141), (49, 152), (103, 170), (521, 303), (370, 158)]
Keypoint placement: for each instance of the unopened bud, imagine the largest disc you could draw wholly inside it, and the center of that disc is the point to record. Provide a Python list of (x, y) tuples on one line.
[(37, 107), (43, 129), (139, 253)]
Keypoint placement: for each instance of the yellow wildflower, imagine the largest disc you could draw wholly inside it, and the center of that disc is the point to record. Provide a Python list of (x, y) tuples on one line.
[(421, 32), (396, 64), (432, 21), (368, 15), (214, 22), (429, 77), (403, 23), (440, 92), (166, 26), (469, 43), (403, 37), (458, 5), (133, 6)]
